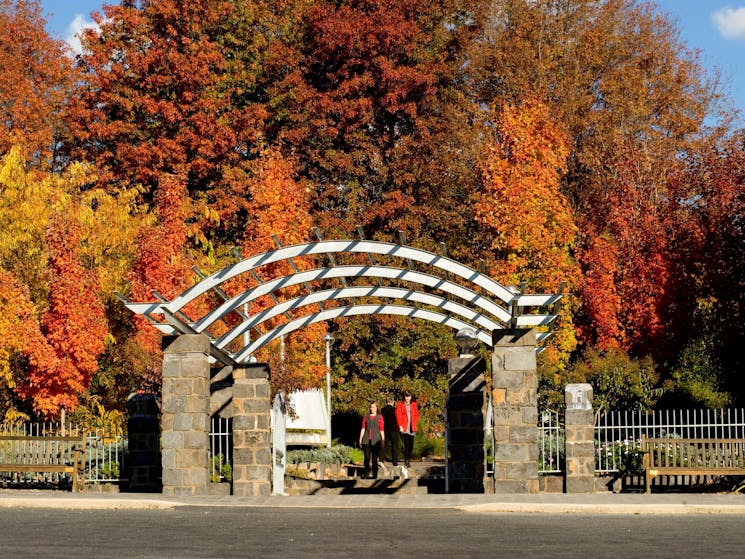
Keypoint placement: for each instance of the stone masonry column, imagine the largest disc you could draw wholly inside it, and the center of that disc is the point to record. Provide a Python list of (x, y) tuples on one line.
[(252, 451), (465, 423), (579, 421), (185, 415), (515, 403)]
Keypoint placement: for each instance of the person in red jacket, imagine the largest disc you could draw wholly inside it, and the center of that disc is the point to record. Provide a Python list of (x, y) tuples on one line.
[(407, 415), (372, 438)]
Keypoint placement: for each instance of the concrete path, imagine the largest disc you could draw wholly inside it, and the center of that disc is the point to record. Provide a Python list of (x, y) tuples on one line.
[(551, 503)]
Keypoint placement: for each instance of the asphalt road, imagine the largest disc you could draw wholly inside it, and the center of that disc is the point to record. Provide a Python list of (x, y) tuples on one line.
[(221, 532)]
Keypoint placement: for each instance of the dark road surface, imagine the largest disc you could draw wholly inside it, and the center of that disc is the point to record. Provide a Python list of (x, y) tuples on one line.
[(221, 532)]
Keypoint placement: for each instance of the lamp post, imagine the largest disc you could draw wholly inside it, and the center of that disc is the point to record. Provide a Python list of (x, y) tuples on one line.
[(467, 341), (329, 340)]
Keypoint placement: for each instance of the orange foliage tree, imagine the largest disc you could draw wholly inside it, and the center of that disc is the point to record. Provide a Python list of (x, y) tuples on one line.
[(633, 100), (156, 113), (373, 84), (281, 208), (638, 215), (155, 99), (161, 266), (708, 250), (74, 324), (22, 340), (35, 82), (526, 227), (58, 301)]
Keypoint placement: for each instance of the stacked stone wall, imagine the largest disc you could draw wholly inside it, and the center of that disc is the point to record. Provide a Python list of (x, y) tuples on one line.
[(515, 408), (185, 416), (252, 454)]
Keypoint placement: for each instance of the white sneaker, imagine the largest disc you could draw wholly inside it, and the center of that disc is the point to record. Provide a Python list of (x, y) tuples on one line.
[(404, 472)]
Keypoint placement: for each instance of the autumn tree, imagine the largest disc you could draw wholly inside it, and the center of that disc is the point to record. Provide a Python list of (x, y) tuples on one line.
[(35, 81), (708, 240), (157, 115), (23, 343), (73, 325), (56, 259), (525, 224), (155, 101), (281, 206), (632, 98), (374, 84)]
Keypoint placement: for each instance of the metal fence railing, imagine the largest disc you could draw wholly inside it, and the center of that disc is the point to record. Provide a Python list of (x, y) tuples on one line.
[(104, 452), (619, 433), (550, 443), (221, 449), (104, 457)]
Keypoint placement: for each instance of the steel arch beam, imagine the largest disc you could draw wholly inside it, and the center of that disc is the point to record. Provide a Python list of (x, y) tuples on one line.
[(492, 300), (355, 310), (332, 247), (354, 293), (381, 272)]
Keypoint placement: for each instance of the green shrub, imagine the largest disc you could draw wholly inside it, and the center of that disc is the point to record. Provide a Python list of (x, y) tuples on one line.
[(220, 470), (697, 376), (356, 456), (619, 382), (110, 470), (428, 445), (337, 454)]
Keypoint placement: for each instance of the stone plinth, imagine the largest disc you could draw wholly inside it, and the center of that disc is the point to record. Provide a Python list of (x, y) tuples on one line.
[(252, 452), (185, 416), (579, 421), (515, 404)]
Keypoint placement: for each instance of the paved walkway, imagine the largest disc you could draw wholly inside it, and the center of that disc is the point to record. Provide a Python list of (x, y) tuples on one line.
[(597, 503)]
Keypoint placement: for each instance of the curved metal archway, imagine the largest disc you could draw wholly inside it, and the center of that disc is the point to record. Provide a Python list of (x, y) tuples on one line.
[(459, 305)]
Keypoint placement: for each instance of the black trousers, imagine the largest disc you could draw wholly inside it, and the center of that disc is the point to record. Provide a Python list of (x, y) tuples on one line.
[(408, 441), (392, 441), (372, 453)]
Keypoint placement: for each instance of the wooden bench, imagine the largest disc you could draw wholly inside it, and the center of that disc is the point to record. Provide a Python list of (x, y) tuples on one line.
[(712, 457), (45, 454)]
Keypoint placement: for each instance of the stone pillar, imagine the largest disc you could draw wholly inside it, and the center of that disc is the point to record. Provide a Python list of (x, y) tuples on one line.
[(579, 422), (143, 459), (465, 423), (515, 404), (185, 420), (252, 452)]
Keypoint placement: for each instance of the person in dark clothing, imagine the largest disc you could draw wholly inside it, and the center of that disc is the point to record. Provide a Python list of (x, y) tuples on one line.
[(392, 437), (372, 437)]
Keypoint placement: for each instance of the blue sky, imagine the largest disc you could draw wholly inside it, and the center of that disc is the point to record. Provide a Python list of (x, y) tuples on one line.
[(716, 27)]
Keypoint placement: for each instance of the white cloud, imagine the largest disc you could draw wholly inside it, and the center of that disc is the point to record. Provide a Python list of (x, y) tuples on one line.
[(78, 25), (730, 22)]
